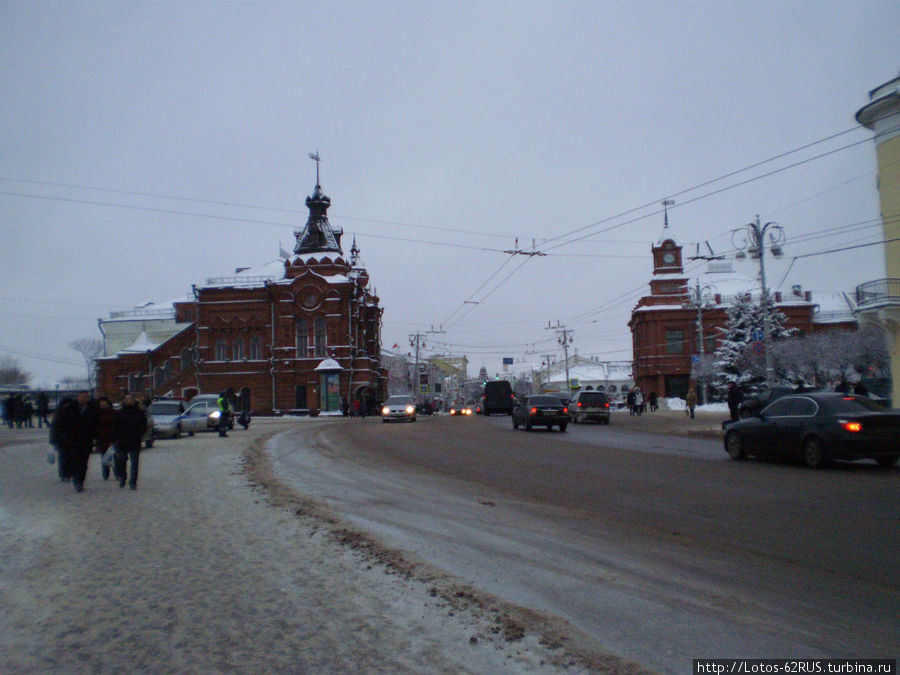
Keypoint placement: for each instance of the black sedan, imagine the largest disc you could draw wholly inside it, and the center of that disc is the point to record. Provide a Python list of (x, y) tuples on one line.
[(818, 427), (541, 411)]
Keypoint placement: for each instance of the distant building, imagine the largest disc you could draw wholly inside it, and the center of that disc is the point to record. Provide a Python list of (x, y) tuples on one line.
[(298, 334), (611, 377), (665, 340), (879, 300)]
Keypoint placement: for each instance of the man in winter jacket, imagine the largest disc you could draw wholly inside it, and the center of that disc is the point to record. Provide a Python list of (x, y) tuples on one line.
[(131, 423), (77, 431)]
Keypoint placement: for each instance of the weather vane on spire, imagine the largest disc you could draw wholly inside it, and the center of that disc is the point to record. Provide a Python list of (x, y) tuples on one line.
[(315, 156), (666, 204)]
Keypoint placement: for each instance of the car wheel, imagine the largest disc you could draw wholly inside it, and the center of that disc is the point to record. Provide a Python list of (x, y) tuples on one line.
[(515, 422), (149, 443), (887, 461), (814, 453), (745, 413), (177, 432), (562, 427), (734, 447), (527, 426), (190, 433)]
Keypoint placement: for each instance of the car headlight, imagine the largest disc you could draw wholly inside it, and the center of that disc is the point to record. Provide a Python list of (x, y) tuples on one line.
[(385, 411), (215, 414), (410, 409)]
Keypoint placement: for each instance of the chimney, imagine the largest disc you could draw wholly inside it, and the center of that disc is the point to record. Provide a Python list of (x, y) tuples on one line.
[(778, 296), (797, 289), (718, 298), (808, 296)]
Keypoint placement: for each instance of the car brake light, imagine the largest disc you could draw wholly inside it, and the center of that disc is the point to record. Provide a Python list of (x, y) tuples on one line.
[(606, 405), (533, 411), (851, 426), (578, 405), (566, 410)]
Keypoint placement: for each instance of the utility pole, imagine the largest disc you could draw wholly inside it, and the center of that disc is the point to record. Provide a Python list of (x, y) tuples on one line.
[(416, 341), (547, 358), (751, 239), (564, 338), (699, 298)]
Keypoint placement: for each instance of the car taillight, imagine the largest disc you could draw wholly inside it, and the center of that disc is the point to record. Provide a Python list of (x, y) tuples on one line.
[(578, 405), (533, 411), (851, 426), (566, 410), (606, 405)]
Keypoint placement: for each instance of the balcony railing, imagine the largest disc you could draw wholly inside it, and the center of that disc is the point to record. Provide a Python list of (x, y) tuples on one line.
[(878, 292)]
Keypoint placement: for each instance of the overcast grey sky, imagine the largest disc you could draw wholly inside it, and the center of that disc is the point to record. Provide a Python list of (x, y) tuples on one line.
[(446, 131)]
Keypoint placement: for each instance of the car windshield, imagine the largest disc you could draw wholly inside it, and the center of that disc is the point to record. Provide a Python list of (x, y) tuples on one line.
[(398, 400), (852, 404), (165, 408), (544, 400), (592, 399)]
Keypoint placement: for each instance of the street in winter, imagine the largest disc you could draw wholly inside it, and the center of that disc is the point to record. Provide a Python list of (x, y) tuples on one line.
[(448, 545)]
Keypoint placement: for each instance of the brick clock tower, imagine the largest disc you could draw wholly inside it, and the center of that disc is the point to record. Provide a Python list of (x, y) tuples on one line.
[(300, 334)]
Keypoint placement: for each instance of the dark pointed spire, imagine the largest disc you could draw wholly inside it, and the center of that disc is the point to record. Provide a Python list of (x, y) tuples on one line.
[(318, 235)]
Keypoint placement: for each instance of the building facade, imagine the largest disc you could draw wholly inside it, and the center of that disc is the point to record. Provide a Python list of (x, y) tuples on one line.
[(666, 324), (298, 334), (879, 299)]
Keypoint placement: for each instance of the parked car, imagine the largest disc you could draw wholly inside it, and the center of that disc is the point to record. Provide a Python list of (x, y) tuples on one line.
[(398, 408), (497, 398), (818, 427), (752, 405), (540, 410), (592, 406), (165, 415)]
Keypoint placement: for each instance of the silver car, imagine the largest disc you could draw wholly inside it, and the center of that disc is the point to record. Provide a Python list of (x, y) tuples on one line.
[(166, 418), (200, 416), (399, 409)]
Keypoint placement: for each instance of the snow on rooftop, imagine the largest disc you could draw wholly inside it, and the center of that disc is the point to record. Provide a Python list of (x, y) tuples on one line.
[(142, 344)]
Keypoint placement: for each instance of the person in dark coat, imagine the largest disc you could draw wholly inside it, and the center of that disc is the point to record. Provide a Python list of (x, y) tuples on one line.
[(106, 428), (43, 410), (63, 419), (83, 431), (735, 398), (130, 426)]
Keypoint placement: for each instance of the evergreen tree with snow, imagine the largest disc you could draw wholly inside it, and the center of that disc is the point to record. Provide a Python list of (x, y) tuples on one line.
[(736, 358)]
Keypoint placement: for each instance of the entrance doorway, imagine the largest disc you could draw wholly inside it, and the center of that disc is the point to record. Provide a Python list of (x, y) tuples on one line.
[(677, 386), (300, 396)]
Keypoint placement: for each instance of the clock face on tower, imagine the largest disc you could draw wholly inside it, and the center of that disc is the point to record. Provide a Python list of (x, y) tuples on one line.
[(668, 257)]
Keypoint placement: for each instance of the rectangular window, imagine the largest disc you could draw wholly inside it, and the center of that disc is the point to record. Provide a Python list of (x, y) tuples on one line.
[(221, 350), (302, 339), (319, 337), (674, 342)]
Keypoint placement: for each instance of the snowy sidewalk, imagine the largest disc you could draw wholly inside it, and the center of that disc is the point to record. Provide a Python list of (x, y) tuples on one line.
[(197, 572)]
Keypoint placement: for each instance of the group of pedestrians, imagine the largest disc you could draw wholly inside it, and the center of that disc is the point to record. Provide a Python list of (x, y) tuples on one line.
[(82, 425), (19, 411)]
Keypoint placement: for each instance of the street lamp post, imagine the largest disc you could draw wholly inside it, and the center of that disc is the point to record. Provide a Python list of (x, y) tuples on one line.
[(752, 239), (700, 298)]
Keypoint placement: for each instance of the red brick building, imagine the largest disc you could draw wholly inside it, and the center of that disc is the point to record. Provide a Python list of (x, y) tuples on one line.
[(299, 334), (664, 324)]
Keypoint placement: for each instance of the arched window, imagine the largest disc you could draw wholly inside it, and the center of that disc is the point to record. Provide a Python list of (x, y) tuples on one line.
[(255, 348), (319, 337), (237, 349), (612, 389), (159, 376), (221, 350), (301, 338)]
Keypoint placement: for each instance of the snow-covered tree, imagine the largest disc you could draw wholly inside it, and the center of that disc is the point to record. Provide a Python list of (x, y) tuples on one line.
[(737, 359), (822, 359), (90, 349)]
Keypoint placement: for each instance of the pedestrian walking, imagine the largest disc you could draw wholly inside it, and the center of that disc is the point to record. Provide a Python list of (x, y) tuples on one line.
[(106, 429), (43, 410), (735, 398), (78, 429), (638, 401), (129, 429), (690, 402), (629, 401), (653, 402), (60, 436)]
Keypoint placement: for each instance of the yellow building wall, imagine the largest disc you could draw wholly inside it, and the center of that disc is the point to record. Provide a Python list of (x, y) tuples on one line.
[(889, 190)]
